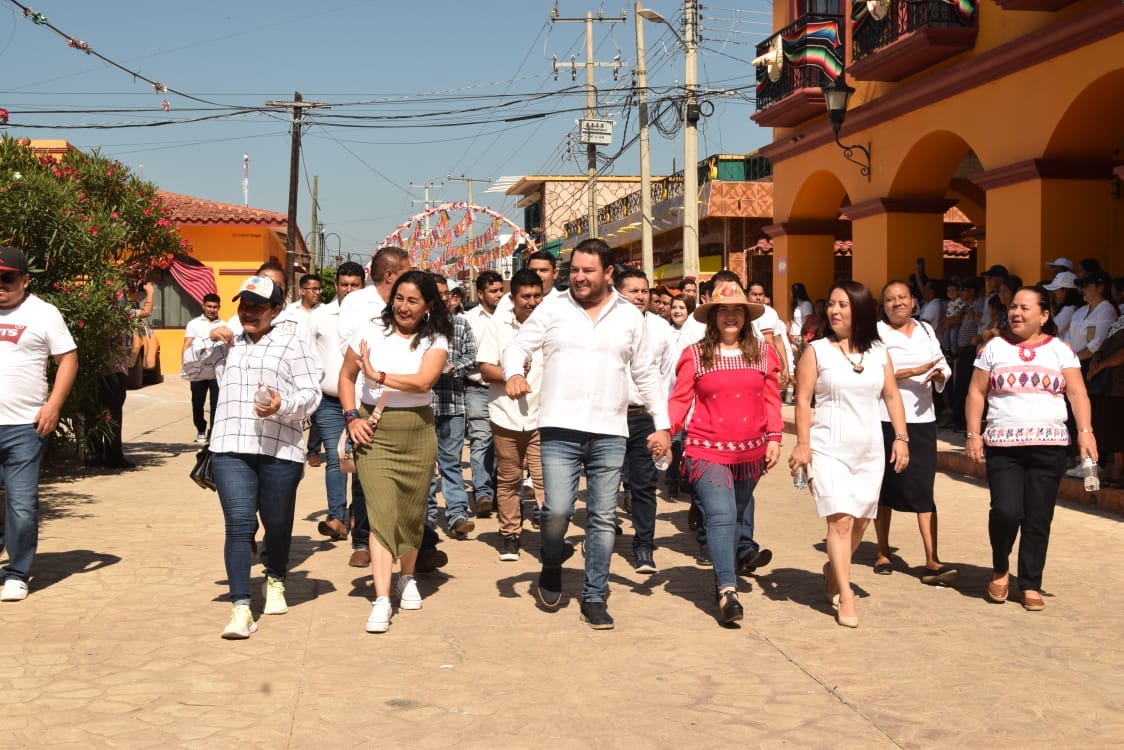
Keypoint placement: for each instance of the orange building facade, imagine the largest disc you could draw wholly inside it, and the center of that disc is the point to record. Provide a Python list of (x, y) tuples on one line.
[(1010, 110), (233, 241)]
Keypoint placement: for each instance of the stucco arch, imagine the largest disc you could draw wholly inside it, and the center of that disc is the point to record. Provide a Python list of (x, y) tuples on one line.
[(818, 197), (1084, 131), (929, 165)]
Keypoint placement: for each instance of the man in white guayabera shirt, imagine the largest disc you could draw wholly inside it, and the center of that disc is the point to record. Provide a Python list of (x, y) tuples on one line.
[(31, 331), (590, 338)]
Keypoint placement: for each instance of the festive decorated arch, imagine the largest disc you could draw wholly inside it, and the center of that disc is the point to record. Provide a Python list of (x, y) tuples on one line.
[(458, 250)]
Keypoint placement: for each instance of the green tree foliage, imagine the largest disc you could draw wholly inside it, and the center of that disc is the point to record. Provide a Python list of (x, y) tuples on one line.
[(92, 232)]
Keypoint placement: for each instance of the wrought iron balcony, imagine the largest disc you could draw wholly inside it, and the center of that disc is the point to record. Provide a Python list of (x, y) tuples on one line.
[(903, 37), (793, 65), (1044, 5), (663, 188)]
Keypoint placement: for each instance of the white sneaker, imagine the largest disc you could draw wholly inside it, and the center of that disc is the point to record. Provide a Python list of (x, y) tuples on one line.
[(274, 592), (241, 623), (408, 596), (379, 620), (15, 590), (201, 438)]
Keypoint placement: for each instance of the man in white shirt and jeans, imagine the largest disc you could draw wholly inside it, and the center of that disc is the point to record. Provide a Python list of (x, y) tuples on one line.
[(591, 338), (481, 452), (323, 326), (31, 330)]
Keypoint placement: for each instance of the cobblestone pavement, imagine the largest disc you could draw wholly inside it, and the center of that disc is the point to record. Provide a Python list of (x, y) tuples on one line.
[(118, 645)]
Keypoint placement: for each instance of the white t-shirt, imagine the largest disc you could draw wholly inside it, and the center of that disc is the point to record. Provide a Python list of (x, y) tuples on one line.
[(29, 334), (1099, 319), (932, 311), (359, 308), (1026, 397), (323, 327), (800, 313), (478, 320), (913, 351), (200, 328), (1062, 320), (391, 353), (512, 414)]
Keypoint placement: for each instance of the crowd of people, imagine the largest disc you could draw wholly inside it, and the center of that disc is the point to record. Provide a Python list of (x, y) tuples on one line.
[(621, 382)]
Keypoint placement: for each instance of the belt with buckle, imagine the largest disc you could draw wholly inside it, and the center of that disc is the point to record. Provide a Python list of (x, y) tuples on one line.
[(634, 410)]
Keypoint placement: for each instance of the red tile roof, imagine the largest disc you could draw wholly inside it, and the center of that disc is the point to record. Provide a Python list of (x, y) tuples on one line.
[(187, 209)]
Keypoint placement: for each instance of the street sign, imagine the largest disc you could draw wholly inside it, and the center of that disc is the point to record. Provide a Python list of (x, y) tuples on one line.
[(596, 132)]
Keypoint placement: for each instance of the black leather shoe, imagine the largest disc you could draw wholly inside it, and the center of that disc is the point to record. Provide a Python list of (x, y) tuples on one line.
[(549, 589), (694, 517), (596, 615), (749, 564), (729, 608)]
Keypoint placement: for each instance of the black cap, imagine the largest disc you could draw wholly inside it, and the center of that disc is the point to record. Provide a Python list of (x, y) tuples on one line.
[(12, 259), (1094, 277), (996, 270)]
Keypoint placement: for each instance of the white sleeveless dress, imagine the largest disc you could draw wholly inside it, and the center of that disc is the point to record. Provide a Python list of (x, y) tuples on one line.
[(848, 457)]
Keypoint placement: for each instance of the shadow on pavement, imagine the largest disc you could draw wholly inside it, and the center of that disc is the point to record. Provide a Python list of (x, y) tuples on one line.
[(52, 567), (55, 504)]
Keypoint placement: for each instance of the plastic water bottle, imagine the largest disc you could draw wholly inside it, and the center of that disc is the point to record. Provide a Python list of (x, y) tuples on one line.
[(1089, 472), (800, 479), (262, 397), (663, 462)]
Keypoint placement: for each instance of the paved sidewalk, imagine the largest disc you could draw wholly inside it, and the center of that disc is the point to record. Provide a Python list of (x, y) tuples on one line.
[(118, 644)]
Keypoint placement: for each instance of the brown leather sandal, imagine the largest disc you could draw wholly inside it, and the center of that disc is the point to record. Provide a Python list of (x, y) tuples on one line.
[(997, 592), (1032, 601)]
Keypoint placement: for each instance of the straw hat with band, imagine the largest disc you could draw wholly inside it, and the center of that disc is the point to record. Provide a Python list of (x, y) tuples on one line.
[(729, 293)]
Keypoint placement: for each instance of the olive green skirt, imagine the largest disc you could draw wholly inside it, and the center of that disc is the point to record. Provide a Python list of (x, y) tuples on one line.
[(395, 469)]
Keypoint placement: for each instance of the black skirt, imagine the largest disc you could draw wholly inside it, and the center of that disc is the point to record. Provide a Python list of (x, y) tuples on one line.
[(912, 490)]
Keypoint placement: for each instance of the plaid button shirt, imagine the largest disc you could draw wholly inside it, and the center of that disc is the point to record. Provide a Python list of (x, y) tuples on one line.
[(448, 393)]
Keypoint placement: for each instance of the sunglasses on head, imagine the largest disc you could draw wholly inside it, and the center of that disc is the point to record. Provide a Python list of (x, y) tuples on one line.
[(9, 277)]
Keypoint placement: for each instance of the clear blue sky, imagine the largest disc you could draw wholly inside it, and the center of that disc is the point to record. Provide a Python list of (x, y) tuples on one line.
[(369, 59)]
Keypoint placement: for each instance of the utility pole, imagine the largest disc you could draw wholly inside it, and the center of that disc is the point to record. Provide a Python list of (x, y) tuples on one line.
[(691, 143), (590, 98), (299, 108), (314, 250), (647, 256), (245, 179), (426, 203), (471, 232)]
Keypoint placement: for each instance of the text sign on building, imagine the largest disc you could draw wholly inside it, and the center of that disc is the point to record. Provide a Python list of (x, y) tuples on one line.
[(596, 132)]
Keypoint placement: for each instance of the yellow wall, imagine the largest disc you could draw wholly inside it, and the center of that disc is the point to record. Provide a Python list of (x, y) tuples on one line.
[(1064, 109), (233, 251)]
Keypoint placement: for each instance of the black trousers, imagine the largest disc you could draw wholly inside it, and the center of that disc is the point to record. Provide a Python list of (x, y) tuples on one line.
[(200, 390), (1024, 490), (962, 377)]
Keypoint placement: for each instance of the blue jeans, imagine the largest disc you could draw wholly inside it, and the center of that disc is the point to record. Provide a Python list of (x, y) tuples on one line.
[(328, 418), (481, 453), (564, 453), (21, 451), (642, 477), (724, 501), (250, 484), (450, 444), (747, 545)]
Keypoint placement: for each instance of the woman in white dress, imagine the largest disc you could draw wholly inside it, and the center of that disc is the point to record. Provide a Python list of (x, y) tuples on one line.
[(840, 447)]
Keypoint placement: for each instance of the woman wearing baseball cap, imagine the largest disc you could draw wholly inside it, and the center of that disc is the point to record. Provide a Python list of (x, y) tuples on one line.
[(268, 384)]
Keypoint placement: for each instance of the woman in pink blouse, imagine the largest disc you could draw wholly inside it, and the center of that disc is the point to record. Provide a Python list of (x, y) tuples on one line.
[(730, 379), (1025, 375)]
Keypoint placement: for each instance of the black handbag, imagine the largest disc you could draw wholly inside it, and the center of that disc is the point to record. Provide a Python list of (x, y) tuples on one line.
[(201, 474)]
